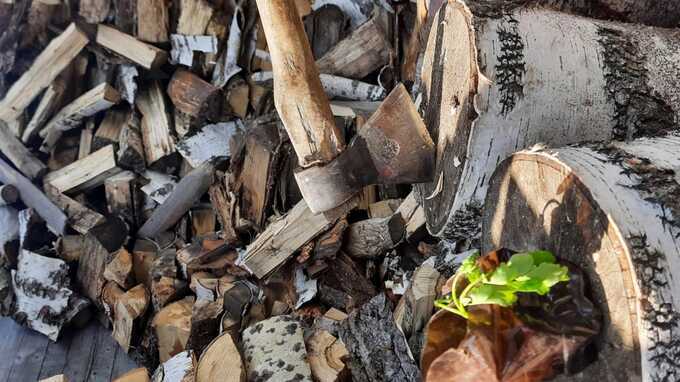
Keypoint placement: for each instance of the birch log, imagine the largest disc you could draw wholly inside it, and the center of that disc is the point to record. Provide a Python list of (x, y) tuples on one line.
[(650, 12), (612, 209), (494, 85)]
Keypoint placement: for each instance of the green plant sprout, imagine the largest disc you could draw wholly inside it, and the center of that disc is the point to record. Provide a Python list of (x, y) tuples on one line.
[(531, 272)]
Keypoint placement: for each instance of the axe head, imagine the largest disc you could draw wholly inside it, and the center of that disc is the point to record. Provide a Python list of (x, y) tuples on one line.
[(392, 147)]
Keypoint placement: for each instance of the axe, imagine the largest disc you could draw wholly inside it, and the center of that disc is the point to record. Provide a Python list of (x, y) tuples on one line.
[(392, 147)]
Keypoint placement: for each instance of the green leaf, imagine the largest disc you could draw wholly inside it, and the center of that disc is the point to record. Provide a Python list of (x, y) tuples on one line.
[(470, 269), (542, 278), (518, 265), (541, 257), (491, 294)]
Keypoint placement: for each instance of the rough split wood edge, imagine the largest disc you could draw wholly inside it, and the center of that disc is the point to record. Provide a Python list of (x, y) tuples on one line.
[(613, 210), (488, 89)]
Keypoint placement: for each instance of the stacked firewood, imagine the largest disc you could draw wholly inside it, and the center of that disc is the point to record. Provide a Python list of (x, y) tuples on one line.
[(147, 182)]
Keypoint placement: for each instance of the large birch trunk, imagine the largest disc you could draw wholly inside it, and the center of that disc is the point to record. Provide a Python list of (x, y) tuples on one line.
[(493, 85), (614, 210)]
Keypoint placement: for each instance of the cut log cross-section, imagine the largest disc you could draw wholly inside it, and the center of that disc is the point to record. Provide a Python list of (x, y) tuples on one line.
[(489, 89), (613, 210)]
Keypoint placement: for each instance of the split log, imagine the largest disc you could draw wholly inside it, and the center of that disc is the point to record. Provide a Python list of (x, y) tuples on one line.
[(190, 94), (128, 313), (156, 127), (84, 174), (358, 11), (328, 244), (325, 354), (119, 269), (123, 197), (50, 101), (224, 202), (413, 214), (144, 254), (42, 289), (377, 347), (71, 116), (94, 11), (183, 48), (183, 196), (34, 198), (203, 251), (365, 50), (384, 208), (267, 356), (46, 67), (56, 378), (145, 55), (335, 87), (91, 264), (221, 361), (238, 97), (344, 285), (19, 155), (325, 27), (502, 93), (194, 16), (153, 20), (417, 305), (172, 326), (645, 12), (203, 221), (612, 210), (131, 146), (164, 264), (86, 136), (371, 238), (8, 195), (109, 129), (226, 66), (282, 238), (139, 374), (205, 324), (211, 141), (166, 290), (110, 295), (179, 368), (80, 218), (71, 247), (125, 12)]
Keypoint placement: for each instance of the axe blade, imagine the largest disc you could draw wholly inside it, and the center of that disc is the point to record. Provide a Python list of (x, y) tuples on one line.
[(392, 147)]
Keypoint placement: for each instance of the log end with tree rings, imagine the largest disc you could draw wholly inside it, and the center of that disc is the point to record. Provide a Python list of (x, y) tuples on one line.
[(612, 209), (493, 84)]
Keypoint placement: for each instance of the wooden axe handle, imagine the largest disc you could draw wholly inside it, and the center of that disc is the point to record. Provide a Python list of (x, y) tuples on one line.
[(298, 94)]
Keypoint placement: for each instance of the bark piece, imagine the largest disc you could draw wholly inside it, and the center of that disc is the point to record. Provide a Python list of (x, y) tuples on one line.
[(34, 198), (221, 361), (6, 293), (365, 50), (153, 20), (94, 11), (125, 12), (71, 116), (211, 141), (128, 312), (19, 155), (226, 66), (325, 27), (183, 47), (180, 368), (328, 244), (172, 326), (238, 97), (325, 354), (86, 173), (282, 238), (224, 200), (626, 95), (42, 289), (205, 324), (300, 99), (190, 94), (269, 357), (156, 126), (183, 196), (125, 82), (9, 236), (119, 269), (46, 67), (139, 374), (80, 218), (194, 17), (50, 101), (123, 197), (377, 347), (371, 238), (601, 204), (142, 54), (344, 286)]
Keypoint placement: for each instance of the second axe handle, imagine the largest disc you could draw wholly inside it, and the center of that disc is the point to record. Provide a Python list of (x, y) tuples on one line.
[(298, 95)]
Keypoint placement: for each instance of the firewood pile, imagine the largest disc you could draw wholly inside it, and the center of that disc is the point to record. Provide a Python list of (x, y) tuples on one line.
[(280, 189)]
